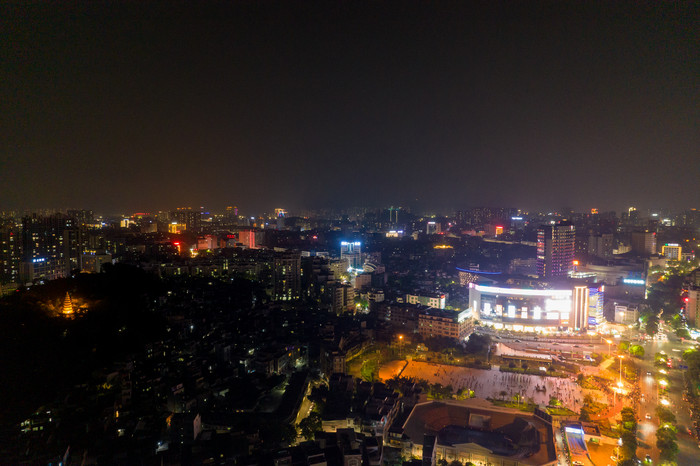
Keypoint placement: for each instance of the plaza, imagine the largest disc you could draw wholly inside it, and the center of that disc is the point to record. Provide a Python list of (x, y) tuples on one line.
[(491, 383)]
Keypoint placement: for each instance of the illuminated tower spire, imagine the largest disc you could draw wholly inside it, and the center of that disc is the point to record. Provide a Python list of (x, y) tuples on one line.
[(67, 307)]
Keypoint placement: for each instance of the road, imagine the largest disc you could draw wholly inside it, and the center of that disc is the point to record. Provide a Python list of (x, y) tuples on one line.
[(688, 446)]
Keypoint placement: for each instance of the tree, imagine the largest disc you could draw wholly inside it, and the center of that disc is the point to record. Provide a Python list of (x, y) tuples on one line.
[(652, 325), (503, 394), (623, 346), (665, 415), (309, 425), (629, 444), (585, 415), (666, 442), (553, 401), (637, 351), (628, 416), (477, 343)]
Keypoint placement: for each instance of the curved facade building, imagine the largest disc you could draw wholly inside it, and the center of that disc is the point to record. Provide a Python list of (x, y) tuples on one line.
[(531, 310)]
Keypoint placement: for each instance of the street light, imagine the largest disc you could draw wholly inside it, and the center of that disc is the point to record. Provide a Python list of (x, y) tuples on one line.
[(400, 344), (621, 358), (609, 346)]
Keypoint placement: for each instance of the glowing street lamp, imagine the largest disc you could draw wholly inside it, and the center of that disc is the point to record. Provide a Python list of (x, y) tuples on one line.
[(663, 383), (665, 402), (621, 358), (609, 342)]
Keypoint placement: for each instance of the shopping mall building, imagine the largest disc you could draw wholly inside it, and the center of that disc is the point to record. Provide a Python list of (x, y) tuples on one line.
[(560, 309)]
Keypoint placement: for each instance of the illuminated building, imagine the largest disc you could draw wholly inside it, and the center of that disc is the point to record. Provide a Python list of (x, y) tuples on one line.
[(555, 250), (643, 243), (436, 301), (625, 315), (518, 222), (596, 304), (176, 228), (92, 261), (343, 298), (601, 245), (433, 228), (394, 215), (475, 431), (672, 251), (9, 253), (67, 309), (50, 247), (82, 217), (362, 280), (493, 229), (580, 307), (280, 213), (232, 211), (286, 276), (442, 323), (351, 251), (692, 306), (248, 238), (207, 242), (192, 219), (534, 310)]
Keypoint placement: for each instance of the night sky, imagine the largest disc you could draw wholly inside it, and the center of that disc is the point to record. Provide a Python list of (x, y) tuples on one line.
[(295, 104)]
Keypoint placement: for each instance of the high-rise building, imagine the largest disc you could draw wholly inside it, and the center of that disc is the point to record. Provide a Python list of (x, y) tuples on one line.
[(692, 306), (10, 249), (433, 228), (672, 251), (555, 250), (286, 276), (601, 245), (50, 247), (191, 218), (580, 307), (351, 251), (596, 306), (643, 243), (82, 216)]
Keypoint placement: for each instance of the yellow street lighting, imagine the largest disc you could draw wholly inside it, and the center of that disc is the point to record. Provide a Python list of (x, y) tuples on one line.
[(663, 382), (621, 358), (665, 402)]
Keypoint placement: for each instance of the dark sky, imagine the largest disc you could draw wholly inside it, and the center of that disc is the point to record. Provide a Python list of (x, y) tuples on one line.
[(297, 104)]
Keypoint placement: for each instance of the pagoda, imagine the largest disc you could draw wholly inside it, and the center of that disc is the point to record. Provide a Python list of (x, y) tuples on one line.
[(67, 310)]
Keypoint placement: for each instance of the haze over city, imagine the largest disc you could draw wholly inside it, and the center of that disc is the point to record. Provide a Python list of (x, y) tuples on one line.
[(350, 233), (141, 107)]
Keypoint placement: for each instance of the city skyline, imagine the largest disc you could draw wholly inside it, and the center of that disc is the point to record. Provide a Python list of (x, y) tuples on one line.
[(125, 107)]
